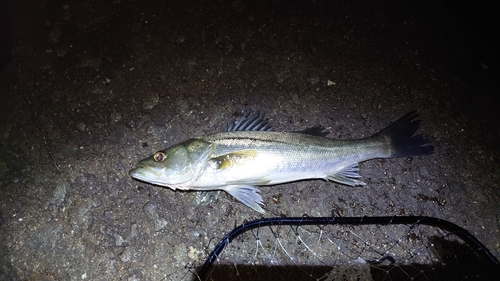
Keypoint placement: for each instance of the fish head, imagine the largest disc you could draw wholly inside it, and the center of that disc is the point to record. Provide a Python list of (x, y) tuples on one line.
[(174, 166)]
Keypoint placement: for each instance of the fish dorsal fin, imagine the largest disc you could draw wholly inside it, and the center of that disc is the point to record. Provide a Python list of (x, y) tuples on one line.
[(252, 121), (317, 130)]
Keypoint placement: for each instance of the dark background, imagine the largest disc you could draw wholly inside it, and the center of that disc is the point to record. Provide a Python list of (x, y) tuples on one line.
[(88, 88)]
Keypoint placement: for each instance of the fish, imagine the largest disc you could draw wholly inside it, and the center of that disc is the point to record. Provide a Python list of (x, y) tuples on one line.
[(250, 154)]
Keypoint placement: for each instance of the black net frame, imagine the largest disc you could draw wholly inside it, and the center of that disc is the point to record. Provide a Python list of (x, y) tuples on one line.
[(488, 264)]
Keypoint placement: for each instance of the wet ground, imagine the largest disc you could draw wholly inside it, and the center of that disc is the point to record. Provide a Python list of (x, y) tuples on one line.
[(94, 86)]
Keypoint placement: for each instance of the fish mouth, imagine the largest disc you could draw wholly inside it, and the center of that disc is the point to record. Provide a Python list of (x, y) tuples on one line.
[(137, 173), (134, 172), (156, 175), (150, 176), (144, 173)]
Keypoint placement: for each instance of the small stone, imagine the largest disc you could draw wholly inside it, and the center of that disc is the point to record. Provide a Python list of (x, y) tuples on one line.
[(80, 125), (115, 117), (150, 100)]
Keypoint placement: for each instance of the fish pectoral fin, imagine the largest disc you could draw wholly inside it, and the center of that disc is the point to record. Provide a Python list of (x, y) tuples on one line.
[(234, 158), (246, 194), (349, 176)]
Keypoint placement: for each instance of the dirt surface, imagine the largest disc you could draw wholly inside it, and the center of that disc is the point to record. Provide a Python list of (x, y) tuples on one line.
[(95, 86)]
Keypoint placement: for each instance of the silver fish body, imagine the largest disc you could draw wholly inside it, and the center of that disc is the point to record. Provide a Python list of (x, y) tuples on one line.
[(237, 161)]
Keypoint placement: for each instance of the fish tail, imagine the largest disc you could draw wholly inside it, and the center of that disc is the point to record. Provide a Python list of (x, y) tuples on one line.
[(402, 137)]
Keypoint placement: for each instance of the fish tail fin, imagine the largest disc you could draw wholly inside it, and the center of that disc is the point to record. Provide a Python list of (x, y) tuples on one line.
[(402, 137)]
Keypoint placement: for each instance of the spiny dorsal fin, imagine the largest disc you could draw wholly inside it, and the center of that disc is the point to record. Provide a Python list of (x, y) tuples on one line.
[(254, 121), (250, 122)]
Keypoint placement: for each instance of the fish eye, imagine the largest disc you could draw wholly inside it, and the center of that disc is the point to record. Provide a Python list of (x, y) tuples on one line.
[(160, 156)]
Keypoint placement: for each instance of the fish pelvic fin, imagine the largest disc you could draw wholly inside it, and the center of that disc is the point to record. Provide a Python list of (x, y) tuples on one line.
[(402, 138), (204, 198), (246, 194), (348, 176)]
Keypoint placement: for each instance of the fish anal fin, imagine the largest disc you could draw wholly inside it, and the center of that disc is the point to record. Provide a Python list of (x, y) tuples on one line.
[(234, 158), (349, 176), (246, 194)]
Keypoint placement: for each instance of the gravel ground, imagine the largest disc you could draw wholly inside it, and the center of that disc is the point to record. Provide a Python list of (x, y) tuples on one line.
[(95, 86)]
